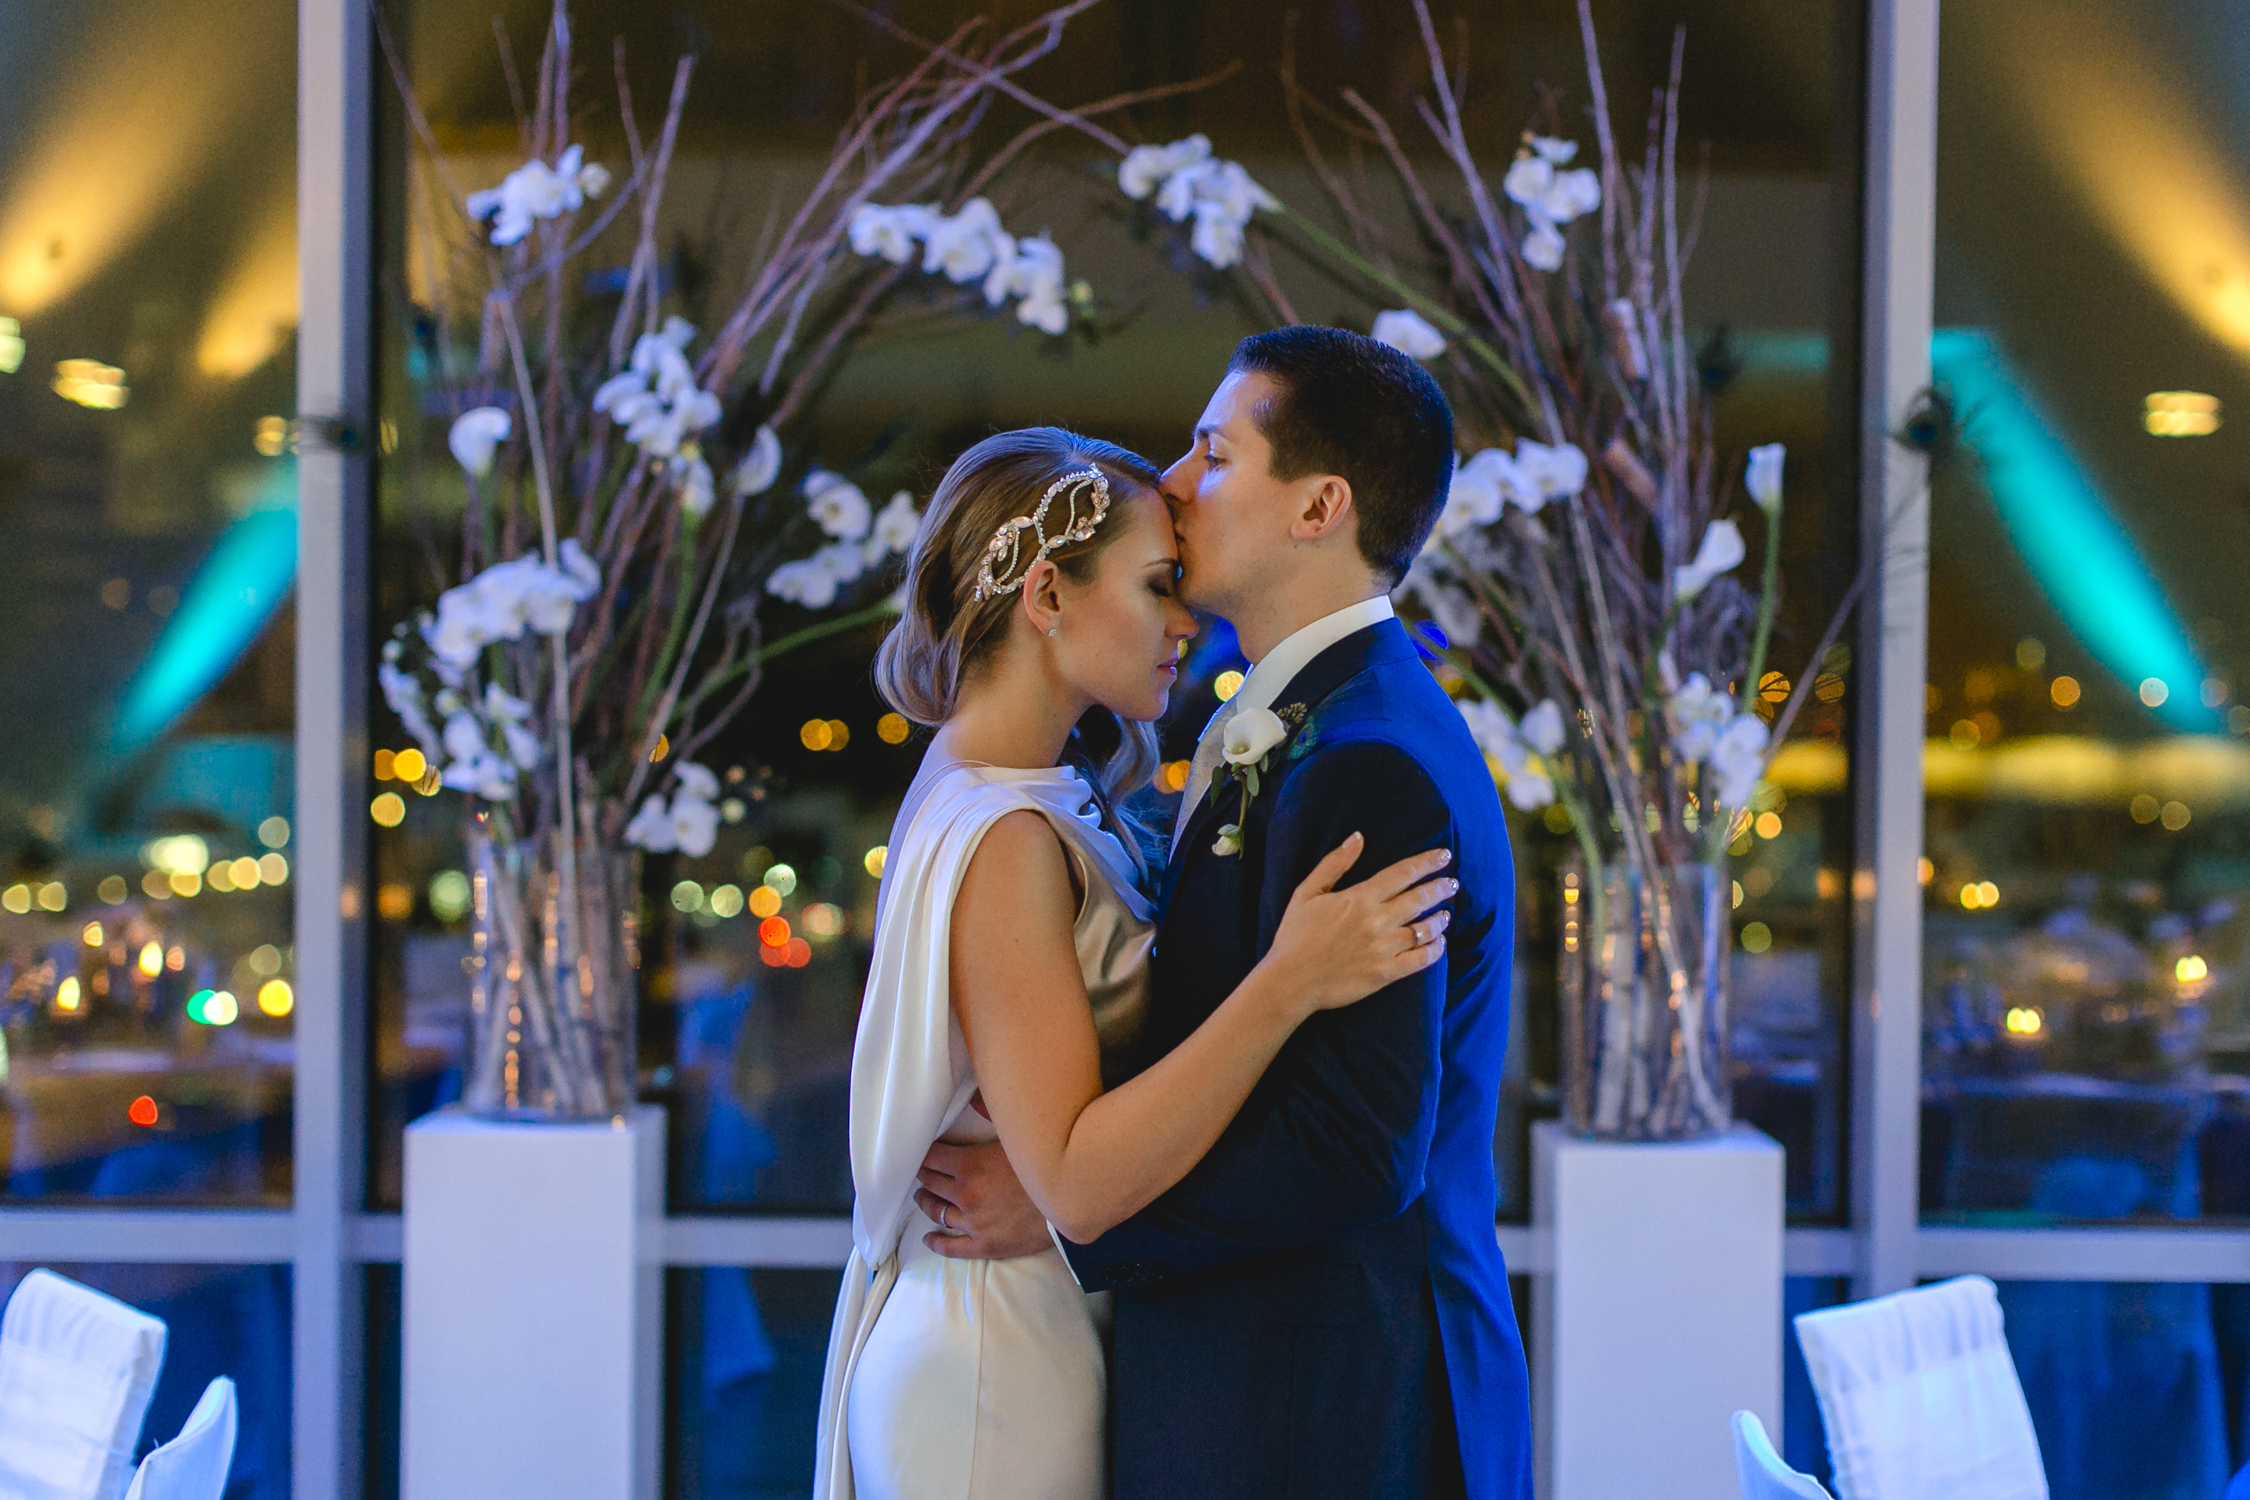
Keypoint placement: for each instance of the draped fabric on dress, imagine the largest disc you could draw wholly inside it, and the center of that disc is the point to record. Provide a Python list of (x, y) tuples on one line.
[(964, 1380)]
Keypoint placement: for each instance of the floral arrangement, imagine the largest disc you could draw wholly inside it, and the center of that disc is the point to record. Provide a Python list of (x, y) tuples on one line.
[(1582, 579), (633, 498), (617, 543)]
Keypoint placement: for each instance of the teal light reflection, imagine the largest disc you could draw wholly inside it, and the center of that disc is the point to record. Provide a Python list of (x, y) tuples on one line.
[(2084, 560), (241, 582)]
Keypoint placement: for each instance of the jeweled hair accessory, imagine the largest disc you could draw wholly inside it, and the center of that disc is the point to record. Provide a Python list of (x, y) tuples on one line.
[(1005, 565)]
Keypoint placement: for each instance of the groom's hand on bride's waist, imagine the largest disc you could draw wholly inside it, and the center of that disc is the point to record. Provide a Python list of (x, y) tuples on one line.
[(987, 1215)]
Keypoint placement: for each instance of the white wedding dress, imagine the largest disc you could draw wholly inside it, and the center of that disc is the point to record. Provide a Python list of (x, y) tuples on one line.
[(965, 1379)]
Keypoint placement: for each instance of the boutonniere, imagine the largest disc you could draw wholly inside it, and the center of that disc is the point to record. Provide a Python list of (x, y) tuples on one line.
[(1252, 736)]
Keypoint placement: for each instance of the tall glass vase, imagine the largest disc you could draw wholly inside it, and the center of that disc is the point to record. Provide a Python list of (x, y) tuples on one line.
[(553, 981), (1644, 1002)]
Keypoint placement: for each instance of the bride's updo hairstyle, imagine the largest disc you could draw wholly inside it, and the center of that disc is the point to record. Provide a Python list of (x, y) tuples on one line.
[(946, 632)]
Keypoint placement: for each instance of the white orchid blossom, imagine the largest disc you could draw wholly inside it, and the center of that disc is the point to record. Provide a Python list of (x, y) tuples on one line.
[(760, 467), (1739, 759), (476, 436), (656, 398), (1697, 712), (1408, 332), (536, 191), (964, 246), (1550, 197), (890, 232), (838, 505), (1527, 784), (507, 599), (1187, 181), (1721, 552), (804, 582), (689, 823), (894, 528), (969, 246), (1556, 472), (698, 487), (1034, 273), (1542, 729), (403, 692), (1147, 168), (1761, 476)]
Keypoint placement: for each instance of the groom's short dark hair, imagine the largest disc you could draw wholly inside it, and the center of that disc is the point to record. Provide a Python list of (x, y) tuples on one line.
[(1347, 405)]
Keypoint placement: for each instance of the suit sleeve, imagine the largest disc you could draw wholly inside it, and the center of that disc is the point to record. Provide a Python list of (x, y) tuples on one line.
[(1337, 1135)]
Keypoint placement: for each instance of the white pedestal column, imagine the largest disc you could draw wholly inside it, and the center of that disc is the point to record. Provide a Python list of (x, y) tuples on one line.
[(1661, 1317), (533, 1317)]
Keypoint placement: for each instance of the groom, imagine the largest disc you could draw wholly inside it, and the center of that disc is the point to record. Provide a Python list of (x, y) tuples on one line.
[(1320, 1308)]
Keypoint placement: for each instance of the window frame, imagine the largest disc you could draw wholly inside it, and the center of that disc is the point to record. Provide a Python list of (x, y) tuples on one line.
[(328, 1238)]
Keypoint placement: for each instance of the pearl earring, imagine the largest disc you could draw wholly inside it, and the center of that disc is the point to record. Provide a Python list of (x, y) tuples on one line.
[(1054, 630)]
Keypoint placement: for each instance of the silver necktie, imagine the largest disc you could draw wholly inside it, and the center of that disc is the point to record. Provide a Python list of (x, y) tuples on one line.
[(1209, 750)]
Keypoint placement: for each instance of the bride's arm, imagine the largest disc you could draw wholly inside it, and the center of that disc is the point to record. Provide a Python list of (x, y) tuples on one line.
[(1088, 1159)]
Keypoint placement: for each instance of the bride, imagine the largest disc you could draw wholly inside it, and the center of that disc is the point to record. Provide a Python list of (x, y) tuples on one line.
[(1042, 633)]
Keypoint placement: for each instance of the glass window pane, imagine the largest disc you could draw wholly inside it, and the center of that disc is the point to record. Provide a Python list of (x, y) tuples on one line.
[(744, 1364), (2135, 1388), (2086, 1016), (148, 296), (219, 1320), (753, 1057)]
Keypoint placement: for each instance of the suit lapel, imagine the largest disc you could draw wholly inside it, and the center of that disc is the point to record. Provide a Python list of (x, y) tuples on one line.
[(1382, 645)]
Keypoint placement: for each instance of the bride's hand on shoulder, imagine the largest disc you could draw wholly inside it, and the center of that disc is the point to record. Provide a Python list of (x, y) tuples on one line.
[(1336, 947)]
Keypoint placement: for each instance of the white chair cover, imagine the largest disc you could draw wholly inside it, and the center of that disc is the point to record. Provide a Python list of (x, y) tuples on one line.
[(193, 1466), (1920, 1398), (76, 1371), (1760, 1470)]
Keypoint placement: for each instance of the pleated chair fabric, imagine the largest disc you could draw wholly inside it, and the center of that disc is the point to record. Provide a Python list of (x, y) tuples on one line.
[(1920, 1397), (1759, 1469), (77, 1369), (193, 1466)]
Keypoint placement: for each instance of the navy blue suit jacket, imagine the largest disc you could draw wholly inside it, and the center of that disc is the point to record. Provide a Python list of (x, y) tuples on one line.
[(1323, 1298)]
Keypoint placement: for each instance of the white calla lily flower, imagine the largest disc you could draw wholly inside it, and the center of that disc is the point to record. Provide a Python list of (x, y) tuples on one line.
[(476, 436), (1408, 332), (1721, 552), (1761, 476), (1251, 734)]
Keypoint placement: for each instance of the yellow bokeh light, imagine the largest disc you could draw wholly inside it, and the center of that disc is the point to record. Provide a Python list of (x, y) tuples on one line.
[(221, 876), (873, 860), (726, 901), (389, 809), (1768, 825), (1988, 894), (276, 998), (66, 994), (16, 898), (157, 885), (765, 901), (52, 896), (2025, 1020), (1226, 685), (2181, 414), (2064, 690), (839, 734), (1757, 937), (892, 729), (409, 765), (152, 959), (1971, 897), (246, 874), (816, 735), (92, 935), (272, 869), (185, 883), (255, 309), (112, 890), (386, 764), (2191, 968), (91, 384), (2175, 816), (1172, 776)]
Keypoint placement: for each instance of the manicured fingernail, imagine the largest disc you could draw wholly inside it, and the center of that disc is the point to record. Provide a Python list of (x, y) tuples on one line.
[(1444, 857)]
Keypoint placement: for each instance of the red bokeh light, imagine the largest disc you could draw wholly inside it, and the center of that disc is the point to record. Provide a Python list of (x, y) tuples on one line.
[(799, 953), (773, 958), (774, 932), (141, 1111)]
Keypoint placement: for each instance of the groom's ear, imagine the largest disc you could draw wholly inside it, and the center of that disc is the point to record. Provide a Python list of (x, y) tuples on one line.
[(1325, 505)]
